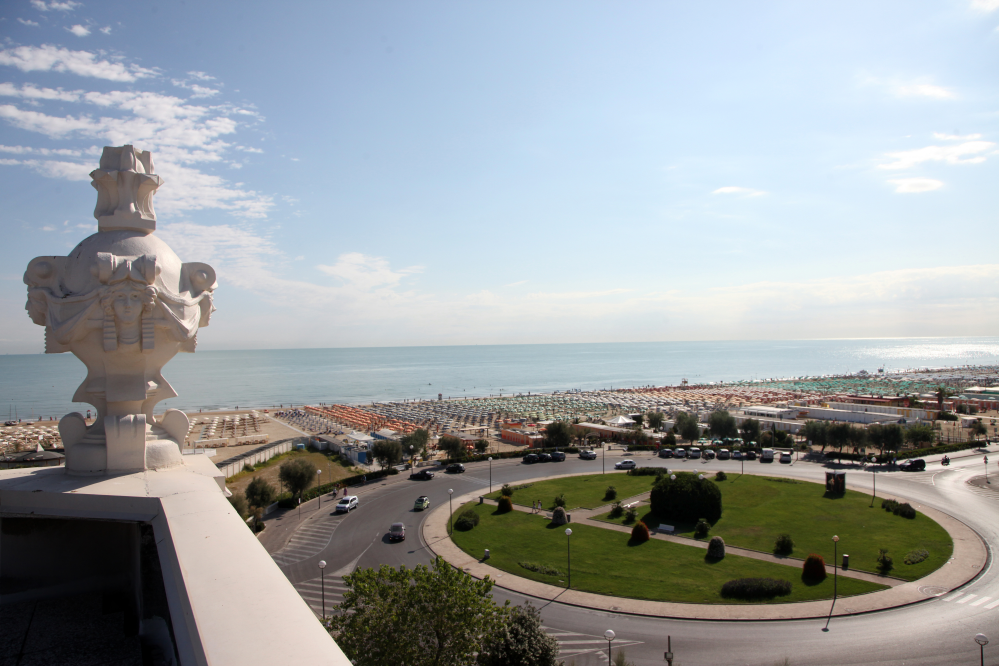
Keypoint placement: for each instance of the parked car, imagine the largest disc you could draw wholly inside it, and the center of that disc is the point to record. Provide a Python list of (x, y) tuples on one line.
[(455, 468), (708, 455), (397, 532), (680, 453), (724, 454), (530, 458), (588, 455), (346, 504), (422, 502), (737, 455), (767, 455), (665, 453), (785, 457), (750, 455), (558, 456), (914, 465), (422, 475), (544, 457), (625, 464), (694, 453)]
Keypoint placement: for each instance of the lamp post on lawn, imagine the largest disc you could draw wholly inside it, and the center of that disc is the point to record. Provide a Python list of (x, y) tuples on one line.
[(603, 461), (568, 551), (411, 456), (609, 635), (318, 473), (490, 473), (982, 642), (322, 578), (835, 565), (451, 509)]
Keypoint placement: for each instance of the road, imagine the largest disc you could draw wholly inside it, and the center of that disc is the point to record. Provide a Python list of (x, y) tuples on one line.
[(939, 630)]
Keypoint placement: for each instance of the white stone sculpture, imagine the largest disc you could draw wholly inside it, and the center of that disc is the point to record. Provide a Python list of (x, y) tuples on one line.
[(123, 303)]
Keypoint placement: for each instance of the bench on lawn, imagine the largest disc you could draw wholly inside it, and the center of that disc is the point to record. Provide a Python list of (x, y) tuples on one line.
[(628, 506), (665, 529)]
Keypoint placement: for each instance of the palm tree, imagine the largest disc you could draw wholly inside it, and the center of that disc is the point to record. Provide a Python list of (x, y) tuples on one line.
[(942, 393)]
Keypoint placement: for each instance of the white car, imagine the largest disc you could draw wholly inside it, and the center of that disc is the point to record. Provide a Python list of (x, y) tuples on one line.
[(346, 504), (785, 457), (588, 455), (625, 464)]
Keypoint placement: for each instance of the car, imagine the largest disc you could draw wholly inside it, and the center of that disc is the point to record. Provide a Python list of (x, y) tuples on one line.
[(422, 475), (737, 455), (422, 502), (544, 457), (530, 458), (558, 456), (665, 453), (346, 504), (625, 464), (750, 455), (785, 457), (397, 532), (455, 468), (588, 455), (914, 465), (709, 455), (724, 454), (694, 452), (680, 453)]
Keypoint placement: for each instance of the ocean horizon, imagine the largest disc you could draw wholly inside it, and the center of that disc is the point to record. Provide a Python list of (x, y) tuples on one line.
[(42, 384)]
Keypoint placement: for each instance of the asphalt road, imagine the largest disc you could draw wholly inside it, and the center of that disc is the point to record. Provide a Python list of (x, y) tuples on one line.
[(940, 630)]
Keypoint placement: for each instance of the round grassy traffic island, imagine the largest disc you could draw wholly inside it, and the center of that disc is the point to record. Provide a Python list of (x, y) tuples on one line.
[(611, 563)]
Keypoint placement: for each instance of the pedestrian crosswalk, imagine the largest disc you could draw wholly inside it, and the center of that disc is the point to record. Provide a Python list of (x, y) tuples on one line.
[(972, 600), (326, 590), (572, 644), (308, 540)]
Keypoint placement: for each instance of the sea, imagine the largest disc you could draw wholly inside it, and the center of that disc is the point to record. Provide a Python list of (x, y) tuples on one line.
[(34, 385)]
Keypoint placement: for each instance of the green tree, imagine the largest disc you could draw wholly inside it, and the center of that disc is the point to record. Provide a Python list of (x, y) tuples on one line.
[(876, 436), (656, 419), (387, 452), (750, 430), (558, 434), (639, 419), (519, 641), (238, 503), (838, 435), (453, 447), (686, 498), (893, 437), (669, 440), (942, 394), (815, 432), (919, 435), (481, 445), (297, 474), (259, 493), (690, 430), (424, 616), (722, 424), (978, 428), (418, 439)]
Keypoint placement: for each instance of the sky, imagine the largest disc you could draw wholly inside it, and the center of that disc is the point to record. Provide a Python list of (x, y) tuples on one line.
[(394, 173)]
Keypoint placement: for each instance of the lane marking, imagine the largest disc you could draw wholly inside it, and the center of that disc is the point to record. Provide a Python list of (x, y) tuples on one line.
[(992, 605), (954, 596), (981, 601), (967, 599)]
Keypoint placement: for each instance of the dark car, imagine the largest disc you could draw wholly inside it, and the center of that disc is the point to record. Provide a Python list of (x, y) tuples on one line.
[(914, 465), (558, 456), (455, 468), (749, 455), (544, 457), (397, 532), (665, 453), (530, 458), (422, 475)]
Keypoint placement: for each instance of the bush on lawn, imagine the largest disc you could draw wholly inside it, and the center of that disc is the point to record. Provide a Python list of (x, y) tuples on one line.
[(784, 545), (686, 498), (541, 569), (885, 562), (814, 568), (903, 509), (749, 589), (610, 494), (721, 476), (507, 490), (558, 517), (702, 528), (467, 520), (616, 510), (716, 548), (504, 505), (647, 471), (631, 515), (560, 500), (916, 556), (640, 532)]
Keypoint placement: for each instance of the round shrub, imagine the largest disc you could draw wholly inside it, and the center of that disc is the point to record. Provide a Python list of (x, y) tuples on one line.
[(905, 511), (702, 528), (631, 515), (467, 520), (611, 493), (814, 568), (505, 504), (559, 517), (885, 562), (686, 498), (784, 545), (916, 556), (560, 500), (507, 490), (616, 510), (640, 532), (721, 476), (756, 588), (716, 548)]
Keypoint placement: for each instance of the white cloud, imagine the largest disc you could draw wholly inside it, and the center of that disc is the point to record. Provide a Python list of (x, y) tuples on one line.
[(55, 5), (745, 191), (955, 137), (201, 76), (915, 185), (106, 30), (199, 91), (33, 24), (24, 150), (968, 152), (53, 168), (365, 272), (985, 5), (29, 91), (923, 90), (82, 63), (79, 30)]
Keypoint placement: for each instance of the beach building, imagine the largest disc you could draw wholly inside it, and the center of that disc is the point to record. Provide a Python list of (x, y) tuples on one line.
[(608, 432), (519, 434), (787, 425)]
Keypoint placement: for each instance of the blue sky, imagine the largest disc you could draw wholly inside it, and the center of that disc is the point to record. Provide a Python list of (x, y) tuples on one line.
[(422, 173)]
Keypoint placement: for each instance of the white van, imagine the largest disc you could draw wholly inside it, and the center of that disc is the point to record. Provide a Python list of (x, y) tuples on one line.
[(723, 454), (767, 455)]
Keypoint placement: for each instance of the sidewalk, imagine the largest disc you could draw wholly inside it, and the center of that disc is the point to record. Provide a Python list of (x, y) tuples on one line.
[(967, 561)]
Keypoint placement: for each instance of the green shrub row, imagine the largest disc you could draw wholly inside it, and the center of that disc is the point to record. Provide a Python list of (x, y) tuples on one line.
[(647, 471), (468, 519), (903, 509), (916, 556), (541, 568), (756, 588)]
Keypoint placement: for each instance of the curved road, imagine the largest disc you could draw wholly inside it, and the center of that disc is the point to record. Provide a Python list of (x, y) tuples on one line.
[(939, 630)]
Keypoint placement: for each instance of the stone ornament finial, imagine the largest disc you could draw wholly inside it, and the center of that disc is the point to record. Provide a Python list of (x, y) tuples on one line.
[(124, 304)]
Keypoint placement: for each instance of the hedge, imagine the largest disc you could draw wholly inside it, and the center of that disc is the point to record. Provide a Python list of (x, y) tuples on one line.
[(905, 454), (756, 588)]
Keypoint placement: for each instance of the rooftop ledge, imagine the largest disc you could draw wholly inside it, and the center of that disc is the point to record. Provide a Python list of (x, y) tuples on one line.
[(229, 602)]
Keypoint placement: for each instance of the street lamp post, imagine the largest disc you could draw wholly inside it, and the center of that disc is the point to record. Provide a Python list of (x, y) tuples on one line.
[(609, 635), (835, 565), (669, 651), (318, 472), (322, 578), (568, 552), (490, 473), (603, 461), (987, 470), (982, 642), (451, 509)]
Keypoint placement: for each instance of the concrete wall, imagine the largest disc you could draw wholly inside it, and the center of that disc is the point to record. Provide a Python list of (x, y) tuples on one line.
[(235, 467)]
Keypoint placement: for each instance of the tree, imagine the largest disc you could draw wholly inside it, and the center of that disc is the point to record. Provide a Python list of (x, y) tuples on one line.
[(419, 617), (722, 424), (876, 436), (893, 436), (942, 394), (656, 419), (418, 439), (690, 430), (387, 452), (686, 498), (919, 434), (838, 435), (481, 445), (452, 446), (750, 430), (259, 493), (238, 503), (978, 428), (815, 432), (638, 418), (519, 641), (669, 440), (297, 474), (558, 434)]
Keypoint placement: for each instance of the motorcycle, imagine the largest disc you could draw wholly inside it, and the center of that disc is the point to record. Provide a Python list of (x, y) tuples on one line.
[(945, 462)]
